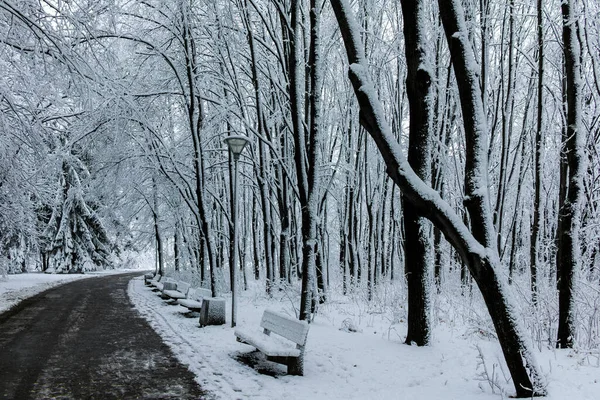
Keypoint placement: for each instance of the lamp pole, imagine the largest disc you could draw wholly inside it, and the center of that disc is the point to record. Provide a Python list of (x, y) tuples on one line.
[(236, 146)]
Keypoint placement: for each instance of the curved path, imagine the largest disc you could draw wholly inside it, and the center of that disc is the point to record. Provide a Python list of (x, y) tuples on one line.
[(84, 340)]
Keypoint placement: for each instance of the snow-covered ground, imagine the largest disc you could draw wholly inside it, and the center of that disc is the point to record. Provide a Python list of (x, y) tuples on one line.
[(14, 288), (370, 364)]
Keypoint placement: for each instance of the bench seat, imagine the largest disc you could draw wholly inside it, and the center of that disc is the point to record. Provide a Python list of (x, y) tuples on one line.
[(148, 278), (155, 280), (174, 294), (192, 305), (193, 300), (180, 292)]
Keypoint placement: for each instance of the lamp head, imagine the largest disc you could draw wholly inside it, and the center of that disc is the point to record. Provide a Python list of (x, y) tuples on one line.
[(236, 144)]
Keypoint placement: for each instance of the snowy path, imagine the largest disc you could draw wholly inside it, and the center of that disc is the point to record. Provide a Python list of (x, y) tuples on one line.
[(83, 340)]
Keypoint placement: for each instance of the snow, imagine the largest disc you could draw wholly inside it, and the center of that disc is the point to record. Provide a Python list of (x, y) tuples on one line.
[(462, 363), (372, 363), (15, 288)]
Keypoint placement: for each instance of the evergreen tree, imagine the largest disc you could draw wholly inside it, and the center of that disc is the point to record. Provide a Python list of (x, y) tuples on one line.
[(77, 239)]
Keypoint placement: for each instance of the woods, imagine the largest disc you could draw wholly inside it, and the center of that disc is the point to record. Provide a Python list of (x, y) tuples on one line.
[(399, 152)]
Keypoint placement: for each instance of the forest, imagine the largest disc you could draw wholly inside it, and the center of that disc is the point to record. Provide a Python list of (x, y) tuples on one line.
[(435, 146)]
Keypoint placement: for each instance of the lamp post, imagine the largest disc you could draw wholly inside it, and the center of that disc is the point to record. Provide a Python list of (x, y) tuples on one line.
[(236, 146)]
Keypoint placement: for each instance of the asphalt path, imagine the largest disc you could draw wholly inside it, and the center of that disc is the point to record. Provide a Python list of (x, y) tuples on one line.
[(84, 340)]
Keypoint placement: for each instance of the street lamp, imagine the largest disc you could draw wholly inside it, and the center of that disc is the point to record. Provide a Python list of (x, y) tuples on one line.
[(236, 146)]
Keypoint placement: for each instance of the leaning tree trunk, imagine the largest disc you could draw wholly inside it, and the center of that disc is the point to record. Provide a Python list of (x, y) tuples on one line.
[(569, 251), (418, 258), (477, 248)]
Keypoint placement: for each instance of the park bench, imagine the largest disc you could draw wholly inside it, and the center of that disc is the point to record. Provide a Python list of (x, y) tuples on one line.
[(277, 350), (181, 291), (148, 278), (165, 284), (193, 300), (157, 280)]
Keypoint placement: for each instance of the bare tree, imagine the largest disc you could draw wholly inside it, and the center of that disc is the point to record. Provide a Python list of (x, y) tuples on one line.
[(570, 211), (477, 247), (419, 256)]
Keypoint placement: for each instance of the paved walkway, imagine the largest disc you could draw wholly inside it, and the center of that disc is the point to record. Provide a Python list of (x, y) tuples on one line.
[(83, 340)]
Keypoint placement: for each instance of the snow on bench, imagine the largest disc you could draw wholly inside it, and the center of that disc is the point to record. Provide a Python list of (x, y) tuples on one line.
[(193, 300), (277, 350), (179, 293)]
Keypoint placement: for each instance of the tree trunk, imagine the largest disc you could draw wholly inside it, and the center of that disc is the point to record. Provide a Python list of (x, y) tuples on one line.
[(418, 255), (537, 200), (157, 233), (306, 146), (569, 246)]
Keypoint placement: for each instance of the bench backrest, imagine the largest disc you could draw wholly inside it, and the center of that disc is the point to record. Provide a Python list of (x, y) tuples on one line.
[(169, 285), (198, 293), (290, 328), (183, 287)]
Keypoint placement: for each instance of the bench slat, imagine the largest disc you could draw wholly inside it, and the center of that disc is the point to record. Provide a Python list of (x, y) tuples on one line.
[(290, 328)]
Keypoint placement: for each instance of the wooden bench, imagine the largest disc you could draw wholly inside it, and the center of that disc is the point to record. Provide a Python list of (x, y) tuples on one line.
[(165, 284), (193, 300), (148, 278), (275, 349), (172, 295), (153, 282)]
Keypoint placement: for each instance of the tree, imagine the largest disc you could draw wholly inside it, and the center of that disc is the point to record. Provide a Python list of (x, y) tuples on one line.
[(537, 203), (569, 252), (418, 257), (306, 145), (77, 238), (477, 247)]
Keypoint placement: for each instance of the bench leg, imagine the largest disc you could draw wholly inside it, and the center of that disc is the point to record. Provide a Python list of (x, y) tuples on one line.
[(295, 366)]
